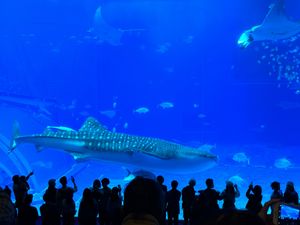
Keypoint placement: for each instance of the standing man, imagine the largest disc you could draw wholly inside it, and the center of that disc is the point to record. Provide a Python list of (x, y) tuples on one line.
[(188, 198)]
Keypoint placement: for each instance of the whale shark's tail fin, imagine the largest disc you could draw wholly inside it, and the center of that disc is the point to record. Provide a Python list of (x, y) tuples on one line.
[(16, 133)]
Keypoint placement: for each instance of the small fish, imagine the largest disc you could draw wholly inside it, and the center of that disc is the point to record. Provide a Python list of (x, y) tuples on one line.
[(241, 157), (189, 39), (282, 163), (166, 105), (201, 116), (84, 113), (163, 48), (125, 126), (109, 113), (236, 179), (195, 105), (142, 110), (41, 164), (169, 69), (87, 106)]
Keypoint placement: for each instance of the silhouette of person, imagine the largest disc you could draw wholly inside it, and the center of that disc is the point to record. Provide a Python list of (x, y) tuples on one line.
[(8, 213), (62, 192), (143, 202), (160, 179), (229, 195), (254, 195), (114, 206), (51, 192), (277, 193), (209, 198), (106, 193), (27, 214), (96, 191), (49, 211), (68, 209), (188, 198), (20, 188), (88, 209), (290, 195), (172, 202)]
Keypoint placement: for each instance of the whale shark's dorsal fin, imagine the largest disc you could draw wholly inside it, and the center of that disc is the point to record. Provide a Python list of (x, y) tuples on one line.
[(91, 124), (276, 13)]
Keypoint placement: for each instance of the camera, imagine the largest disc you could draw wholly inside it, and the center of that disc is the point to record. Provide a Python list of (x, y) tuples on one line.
[(288, 214)]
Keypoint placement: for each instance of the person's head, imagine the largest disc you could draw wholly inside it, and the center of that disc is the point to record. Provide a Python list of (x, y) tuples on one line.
[(290, 186), (51, 183), (96, 184), (144, 196), (63, 180), (229, 186), (115, 193), (192, 182), (174, 184), (160, 179), (87, 194), (28, 199), (257, 190), (209, 183), (105, 182), (16, 179), (275, 185)]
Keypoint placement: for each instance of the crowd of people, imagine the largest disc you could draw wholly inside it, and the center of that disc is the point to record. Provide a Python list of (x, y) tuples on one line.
[(145, 202)]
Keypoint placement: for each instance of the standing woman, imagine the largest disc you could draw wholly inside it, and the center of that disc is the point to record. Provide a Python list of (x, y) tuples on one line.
[(88, 209), (254, 195), (68, 208), (228, 196)]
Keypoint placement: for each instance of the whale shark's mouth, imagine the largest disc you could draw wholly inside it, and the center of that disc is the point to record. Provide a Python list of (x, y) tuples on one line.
[(245, 40)]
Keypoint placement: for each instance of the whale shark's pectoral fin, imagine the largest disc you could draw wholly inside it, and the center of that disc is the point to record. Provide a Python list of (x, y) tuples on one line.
[(276, 13), (78, 157)]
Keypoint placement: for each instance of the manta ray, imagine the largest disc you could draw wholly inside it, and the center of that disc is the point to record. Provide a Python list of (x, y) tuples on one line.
[(94, 141), (105, 33), (276, 26)]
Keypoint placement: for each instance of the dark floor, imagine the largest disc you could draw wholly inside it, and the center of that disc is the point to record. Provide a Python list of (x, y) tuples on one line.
[(40, 222)]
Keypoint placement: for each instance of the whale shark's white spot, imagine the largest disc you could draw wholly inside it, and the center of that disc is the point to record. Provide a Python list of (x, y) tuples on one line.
[(125, 126), (276, 26)]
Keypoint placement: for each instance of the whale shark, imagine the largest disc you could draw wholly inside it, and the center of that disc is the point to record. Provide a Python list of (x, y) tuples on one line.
[(276, 26), (94, 141)]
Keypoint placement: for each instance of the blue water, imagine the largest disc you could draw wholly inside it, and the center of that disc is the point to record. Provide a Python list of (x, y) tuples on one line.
[(58, 69)]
